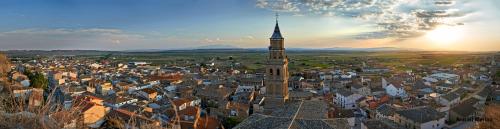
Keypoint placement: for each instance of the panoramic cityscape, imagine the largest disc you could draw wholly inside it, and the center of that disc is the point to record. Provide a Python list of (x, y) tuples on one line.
[(250, 64)]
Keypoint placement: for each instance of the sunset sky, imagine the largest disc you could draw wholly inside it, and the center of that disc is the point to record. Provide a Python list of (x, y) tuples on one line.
[(465, 25)]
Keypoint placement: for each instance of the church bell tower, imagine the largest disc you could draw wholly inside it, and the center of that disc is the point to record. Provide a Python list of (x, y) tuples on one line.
[(276, 79)]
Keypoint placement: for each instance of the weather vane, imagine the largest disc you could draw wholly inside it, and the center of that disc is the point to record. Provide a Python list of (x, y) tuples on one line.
[(277, 15)]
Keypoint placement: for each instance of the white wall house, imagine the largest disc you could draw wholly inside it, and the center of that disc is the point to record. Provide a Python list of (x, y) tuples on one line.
[(120, 102), (135, 88), (453, 78), (395, 90), (346, 99)]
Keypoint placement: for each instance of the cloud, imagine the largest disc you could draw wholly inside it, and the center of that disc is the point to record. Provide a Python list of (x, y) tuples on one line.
[(398, 19), (228, 40), (249, 37), (67, 38), (116, 41), (208, 40), (262, 3), (280, 5)]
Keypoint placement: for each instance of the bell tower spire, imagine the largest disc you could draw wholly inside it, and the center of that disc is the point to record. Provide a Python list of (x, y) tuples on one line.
[(276, 33)]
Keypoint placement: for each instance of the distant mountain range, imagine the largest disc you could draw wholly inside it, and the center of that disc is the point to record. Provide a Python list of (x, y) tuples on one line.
[(206, 48), (216, 46), (229, 47), (375, 49), (370, 49)]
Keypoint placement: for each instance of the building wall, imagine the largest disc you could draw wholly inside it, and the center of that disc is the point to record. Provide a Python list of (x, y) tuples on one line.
[(347, 102), (393, 91), (364, 91), (436, 124), (447, 102)]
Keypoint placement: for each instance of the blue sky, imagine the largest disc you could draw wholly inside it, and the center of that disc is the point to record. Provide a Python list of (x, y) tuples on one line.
[(139, 16), (172, 24)]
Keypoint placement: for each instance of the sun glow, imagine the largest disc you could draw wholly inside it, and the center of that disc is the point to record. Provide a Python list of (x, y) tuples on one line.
[(445, 35)]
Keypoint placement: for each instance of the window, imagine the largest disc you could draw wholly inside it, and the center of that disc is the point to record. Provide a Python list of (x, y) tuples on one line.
[(270, 71), (278, 72)]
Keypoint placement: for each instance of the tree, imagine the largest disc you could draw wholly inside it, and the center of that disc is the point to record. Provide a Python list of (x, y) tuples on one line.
[(28, 73), (38, 80), (4, 65), (231, 122), (358, 69), (105, 57), (203, 65)]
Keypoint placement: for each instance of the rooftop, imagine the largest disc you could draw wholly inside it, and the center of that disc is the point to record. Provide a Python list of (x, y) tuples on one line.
[(276, 33), (307, 114), (386, 110), (421, 114), (357, 86), (381, 124), (464, 109), (344, 92), (451, 96)]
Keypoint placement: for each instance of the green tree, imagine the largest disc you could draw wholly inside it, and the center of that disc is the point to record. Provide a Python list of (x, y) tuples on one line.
[(38, 80), (28, 73), (231, 122), (358, 69), (105, 57)]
